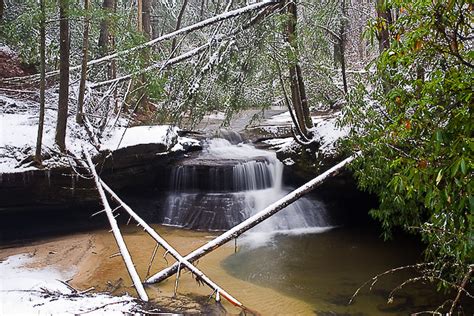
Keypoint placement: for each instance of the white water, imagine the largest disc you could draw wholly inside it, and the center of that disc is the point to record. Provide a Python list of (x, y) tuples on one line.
[(240, 180)]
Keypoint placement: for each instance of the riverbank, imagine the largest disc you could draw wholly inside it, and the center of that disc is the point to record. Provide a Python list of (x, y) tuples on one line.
[(92, 257), (297, 273)]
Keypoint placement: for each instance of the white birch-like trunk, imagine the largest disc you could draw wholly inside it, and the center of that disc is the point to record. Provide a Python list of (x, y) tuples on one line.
[(116, 231), (217, 289)]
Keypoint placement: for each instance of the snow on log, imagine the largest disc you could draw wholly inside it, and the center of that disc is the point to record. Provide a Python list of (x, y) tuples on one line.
[(184, 30), (253, 220), (116, 231), (199, 274)]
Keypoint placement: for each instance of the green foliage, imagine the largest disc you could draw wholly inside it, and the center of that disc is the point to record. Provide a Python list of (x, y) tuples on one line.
[(414, 125), (21, 30)]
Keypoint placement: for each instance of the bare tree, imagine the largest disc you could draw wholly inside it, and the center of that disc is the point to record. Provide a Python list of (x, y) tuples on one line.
[(298, 92), (2, 8), (85, 46), (61, 123), (146, 19), (104, 36), (342, 44), (385, 19), (178, 25), (39, 138)]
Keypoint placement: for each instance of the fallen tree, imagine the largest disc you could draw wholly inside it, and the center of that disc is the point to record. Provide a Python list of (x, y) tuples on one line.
[(181, 260), (252, 221), (182, 31), (116, 231)]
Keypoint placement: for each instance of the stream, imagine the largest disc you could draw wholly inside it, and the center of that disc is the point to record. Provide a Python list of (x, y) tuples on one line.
[(303, 253), (305, 260)]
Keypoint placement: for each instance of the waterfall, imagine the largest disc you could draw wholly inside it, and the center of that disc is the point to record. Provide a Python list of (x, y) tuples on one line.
[(227, 183)]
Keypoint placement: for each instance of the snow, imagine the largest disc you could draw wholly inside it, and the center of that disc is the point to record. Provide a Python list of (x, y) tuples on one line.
[(6, 50), (286, 145), (289, 162), (326, 132), (127, 137), (19, 127), (185, 142), (25, 291), (283, 118)]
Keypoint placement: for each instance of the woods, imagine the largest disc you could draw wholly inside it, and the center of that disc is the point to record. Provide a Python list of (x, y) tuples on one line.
[(394, 78)]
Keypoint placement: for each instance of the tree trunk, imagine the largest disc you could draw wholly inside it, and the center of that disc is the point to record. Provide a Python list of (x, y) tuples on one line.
[(39, 139), (304, 99), (2, 8), (144, 27), (201, 10), (298, 94), (342, 45), (61, 123), (385, 19), (104, 36), (178, 25), (296, 100), (85, 47), (140, 15), (146, 19), (253, 220)]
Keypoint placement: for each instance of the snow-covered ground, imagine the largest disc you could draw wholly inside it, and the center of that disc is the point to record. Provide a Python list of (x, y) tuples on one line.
[(19, 127), (326, 132), (26, 291)]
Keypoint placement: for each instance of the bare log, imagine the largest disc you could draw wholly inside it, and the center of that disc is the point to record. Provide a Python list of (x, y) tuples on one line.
[(116, 231), (169, 249), (253, 220)]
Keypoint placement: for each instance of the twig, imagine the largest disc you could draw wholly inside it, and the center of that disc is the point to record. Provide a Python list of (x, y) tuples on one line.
[(375, 278), (68, 286), (151, 259), (461, 288), (103, 306)]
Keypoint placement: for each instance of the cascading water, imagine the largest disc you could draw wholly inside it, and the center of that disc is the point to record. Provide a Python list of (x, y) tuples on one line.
[(228, 183)]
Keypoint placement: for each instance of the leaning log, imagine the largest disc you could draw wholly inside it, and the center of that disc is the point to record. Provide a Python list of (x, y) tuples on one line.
[(182, 31), (116, 231), (181, 260), (253, 220)]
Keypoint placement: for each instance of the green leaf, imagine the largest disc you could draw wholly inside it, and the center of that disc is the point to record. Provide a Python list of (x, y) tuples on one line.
[(455, 168), (439, 136), (439, 177), (463, 167)]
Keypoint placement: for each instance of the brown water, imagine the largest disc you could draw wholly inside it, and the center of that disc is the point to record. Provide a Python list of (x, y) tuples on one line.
[(288, 275)]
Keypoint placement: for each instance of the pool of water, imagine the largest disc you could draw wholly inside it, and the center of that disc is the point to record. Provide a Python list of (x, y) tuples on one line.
[(326, 269)]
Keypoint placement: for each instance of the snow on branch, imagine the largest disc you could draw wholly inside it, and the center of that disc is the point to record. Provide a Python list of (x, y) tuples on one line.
[(253, 220), (184, 30)]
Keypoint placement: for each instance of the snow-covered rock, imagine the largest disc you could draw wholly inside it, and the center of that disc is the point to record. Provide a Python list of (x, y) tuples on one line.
[(166, 135)]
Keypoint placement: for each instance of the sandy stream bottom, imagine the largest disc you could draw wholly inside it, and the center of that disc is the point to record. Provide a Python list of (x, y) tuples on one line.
[(93, 257)]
